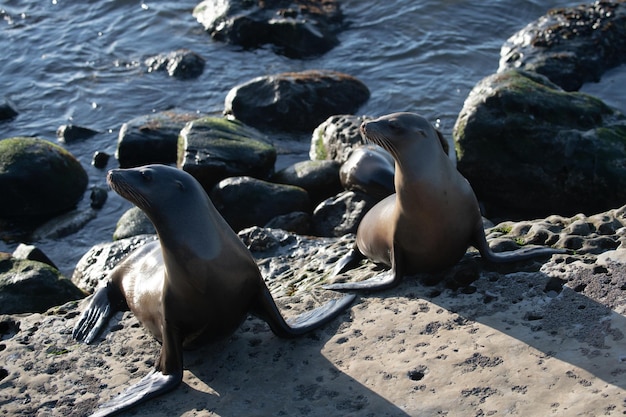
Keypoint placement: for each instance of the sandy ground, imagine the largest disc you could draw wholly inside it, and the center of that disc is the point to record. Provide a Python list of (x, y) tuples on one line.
[(510, 343)]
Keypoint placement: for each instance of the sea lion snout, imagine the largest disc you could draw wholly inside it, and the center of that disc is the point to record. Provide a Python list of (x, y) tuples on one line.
[(363, 129)]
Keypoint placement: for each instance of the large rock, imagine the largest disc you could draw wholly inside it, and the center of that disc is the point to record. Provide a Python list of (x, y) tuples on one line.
[(93, 269), (32, 287), (572, 45), (213, 148), (528, 147), (341, 214), (151, 139), (295, 101), (337, 137), (245, 201), (319, 178), (422, 348), (297, 29), (38, 178)]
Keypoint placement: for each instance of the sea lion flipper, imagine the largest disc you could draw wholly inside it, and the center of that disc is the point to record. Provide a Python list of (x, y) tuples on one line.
[(150, 386), (267, 310), (348, 261), (382, 281), (523, 254), (95, 317)]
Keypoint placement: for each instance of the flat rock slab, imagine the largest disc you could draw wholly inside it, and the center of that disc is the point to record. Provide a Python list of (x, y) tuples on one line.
[(512, 343)]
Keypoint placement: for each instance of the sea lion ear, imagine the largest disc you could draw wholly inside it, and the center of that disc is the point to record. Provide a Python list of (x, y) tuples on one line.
[(444, 142)]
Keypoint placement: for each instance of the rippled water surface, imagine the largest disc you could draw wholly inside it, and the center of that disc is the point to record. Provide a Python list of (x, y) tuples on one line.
[(82, 63)]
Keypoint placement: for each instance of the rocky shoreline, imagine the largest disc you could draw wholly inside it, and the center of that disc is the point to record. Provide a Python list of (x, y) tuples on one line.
[(523, 339)]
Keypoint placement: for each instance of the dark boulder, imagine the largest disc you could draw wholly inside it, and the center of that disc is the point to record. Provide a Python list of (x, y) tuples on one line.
[(32, 287), (295, 101), (341, 214), (245, 201), (295, 28), (319, 178), (151, 139), (38, 178), (298, 222), (529, 148), (570, 46)]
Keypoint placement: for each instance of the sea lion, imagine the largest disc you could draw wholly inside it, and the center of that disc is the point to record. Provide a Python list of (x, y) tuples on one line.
[(433, 217), (369, 169), (193, 285)]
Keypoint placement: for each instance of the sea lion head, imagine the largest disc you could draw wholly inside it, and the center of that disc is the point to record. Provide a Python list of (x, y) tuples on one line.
[(396, 131), (151, 186)]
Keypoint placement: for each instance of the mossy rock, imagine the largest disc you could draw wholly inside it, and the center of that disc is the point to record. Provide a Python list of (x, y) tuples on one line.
[(214, 148), (530, 148), (33, 287), (38, 178)]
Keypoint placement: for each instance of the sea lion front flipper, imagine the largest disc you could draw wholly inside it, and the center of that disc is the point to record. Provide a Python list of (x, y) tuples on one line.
[(164, 378), (150, 386), (92, 321), (267, 310), (382, 281)]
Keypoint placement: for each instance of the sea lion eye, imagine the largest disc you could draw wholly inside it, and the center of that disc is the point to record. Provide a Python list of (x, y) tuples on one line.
[(180, 185), (394, 125)]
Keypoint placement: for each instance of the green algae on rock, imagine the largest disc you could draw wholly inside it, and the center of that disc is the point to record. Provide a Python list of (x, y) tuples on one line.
[(33, 287), (530, 148), (214, 148)]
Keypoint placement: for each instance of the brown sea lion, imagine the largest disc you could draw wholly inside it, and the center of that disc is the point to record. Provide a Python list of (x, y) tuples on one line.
[(433, 217), (196, 284)]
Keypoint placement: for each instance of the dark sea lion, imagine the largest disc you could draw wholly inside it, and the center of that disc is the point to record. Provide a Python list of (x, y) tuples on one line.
[(368, 169), (433, 217), (196, 284)]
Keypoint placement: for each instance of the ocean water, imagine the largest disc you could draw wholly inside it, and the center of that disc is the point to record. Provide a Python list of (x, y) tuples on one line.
[(82, 63)]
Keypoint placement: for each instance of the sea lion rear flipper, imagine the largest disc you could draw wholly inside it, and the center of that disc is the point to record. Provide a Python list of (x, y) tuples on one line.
[(382, 281), (348, 261), (150, 386), (92, 321), (267, 310), (480, 243)]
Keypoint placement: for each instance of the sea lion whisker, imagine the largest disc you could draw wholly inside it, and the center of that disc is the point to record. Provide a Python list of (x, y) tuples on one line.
[(123, 188)]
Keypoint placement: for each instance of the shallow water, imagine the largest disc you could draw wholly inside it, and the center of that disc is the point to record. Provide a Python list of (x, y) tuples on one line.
[(82, 63)]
